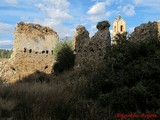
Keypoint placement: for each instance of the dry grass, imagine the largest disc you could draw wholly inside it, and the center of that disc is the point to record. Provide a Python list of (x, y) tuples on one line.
[(60, 99)]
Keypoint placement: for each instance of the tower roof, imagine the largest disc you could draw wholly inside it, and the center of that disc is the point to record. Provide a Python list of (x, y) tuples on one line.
[(118, 18)]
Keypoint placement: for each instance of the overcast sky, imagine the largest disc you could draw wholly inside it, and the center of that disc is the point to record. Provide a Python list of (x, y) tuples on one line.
[(65, 15)]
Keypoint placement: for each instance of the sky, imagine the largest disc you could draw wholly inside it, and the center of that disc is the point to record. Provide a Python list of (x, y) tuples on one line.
[(65, 15)]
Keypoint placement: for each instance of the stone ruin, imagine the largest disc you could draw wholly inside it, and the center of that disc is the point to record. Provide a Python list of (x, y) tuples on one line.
[(146, 31), (33, 47), (91, 49), (32, 51)]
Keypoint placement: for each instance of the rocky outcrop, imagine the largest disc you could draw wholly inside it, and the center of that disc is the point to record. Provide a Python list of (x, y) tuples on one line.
[(146, 31), (32, 51), (93, 49)]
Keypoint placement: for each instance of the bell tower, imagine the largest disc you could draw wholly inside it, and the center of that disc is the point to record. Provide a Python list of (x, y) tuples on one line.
[(119, 25)]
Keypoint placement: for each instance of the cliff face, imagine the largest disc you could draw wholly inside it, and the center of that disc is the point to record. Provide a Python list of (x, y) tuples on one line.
[(91, 49), (32, 51)]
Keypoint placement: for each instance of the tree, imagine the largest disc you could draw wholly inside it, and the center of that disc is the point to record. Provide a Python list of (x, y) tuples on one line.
[(5, 53), (64, 56), (121, 38), (132, 74)]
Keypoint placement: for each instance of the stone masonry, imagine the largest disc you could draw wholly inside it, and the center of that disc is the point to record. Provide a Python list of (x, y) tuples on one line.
[(32, 51), (33, 47), (146, 31), (91, 49)]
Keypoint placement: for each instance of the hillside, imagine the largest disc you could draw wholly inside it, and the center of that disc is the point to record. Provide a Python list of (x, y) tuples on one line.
[(128, 82)]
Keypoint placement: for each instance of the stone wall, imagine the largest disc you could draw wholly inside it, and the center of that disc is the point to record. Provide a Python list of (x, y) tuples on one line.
[(28, 36), (32, 51), (91, 49), (146, 31), (33, 47)]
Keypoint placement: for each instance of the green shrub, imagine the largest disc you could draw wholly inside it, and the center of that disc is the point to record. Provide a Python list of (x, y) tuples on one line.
[(132, 77), (64, 57)]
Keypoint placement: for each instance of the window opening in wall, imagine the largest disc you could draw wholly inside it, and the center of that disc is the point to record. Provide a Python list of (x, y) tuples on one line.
[(121, 28), (52, 52), (36, 52), (47, 51), (13, 68), (30, 50), (46, 67), (114, 28), (25, 50), (43, 51)]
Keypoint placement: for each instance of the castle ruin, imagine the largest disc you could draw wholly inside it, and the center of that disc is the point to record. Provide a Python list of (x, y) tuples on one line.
[(33, 47), (147, 31), (91, 49), (32, 51)]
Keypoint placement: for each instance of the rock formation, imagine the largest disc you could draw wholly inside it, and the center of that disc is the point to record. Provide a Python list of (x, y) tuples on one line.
[(93, 49), (32, 51), (146, 31)]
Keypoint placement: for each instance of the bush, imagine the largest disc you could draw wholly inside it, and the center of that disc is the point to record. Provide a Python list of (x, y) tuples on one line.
[(132, 77), (65, 57)]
